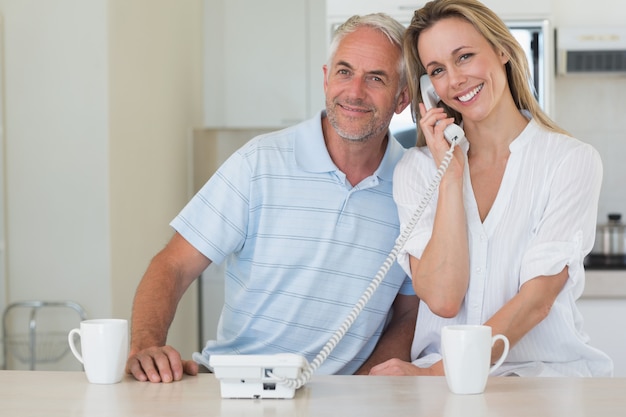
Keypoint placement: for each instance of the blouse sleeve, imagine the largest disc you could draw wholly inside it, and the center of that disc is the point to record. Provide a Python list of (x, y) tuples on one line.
[(412, 176), (566, 231)]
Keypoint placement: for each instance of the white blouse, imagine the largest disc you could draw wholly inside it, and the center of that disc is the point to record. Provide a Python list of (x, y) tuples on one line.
[(543, 218)]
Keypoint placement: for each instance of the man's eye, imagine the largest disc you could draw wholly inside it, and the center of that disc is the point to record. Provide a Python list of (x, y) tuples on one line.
[(376, 79)]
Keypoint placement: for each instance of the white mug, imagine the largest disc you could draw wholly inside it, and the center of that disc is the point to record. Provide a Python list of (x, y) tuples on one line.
[(466, 351), (103, 349)]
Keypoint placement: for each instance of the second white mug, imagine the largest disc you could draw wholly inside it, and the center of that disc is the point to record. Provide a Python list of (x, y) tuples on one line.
[(466, 351), (103, 349)]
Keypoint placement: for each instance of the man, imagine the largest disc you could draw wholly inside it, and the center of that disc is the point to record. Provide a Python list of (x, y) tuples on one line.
[(303, 218)]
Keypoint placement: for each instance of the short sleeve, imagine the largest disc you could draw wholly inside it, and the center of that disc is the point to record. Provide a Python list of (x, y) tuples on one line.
[(565, 233), (215, 219)]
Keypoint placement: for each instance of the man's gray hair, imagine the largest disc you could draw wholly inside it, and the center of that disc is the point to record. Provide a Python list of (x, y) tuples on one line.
[(389, 26)]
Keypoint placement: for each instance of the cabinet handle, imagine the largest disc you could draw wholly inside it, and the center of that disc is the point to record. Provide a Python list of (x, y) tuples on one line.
[(410, 7)]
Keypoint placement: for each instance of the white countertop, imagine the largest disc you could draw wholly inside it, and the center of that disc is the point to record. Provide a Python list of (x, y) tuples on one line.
[(604, 283), (62, 394)]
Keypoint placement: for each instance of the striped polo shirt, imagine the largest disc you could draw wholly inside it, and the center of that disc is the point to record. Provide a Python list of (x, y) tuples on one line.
[(300, 245)]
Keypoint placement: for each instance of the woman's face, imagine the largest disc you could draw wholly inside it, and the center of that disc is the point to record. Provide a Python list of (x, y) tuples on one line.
[(466, 71)]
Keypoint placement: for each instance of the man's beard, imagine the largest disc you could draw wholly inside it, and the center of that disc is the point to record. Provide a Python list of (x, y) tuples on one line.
[(356, 132)]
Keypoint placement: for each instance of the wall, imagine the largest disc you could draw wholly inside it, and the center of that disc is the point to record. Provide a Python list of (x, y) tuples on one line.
[(56, 156), (591, 107), (155, 62), (100, 100)]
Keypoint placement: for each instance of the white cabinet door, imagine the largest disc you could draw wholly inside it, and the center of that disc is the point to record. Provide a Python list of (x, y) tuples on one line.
[(605, 325), (395, 8), (256, 63), (404, 9)]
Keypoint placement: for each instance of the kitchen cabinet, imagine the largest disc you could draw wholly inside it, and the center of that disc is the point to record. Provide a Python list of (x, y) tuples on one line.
[(606, 330), (403, 9), (263, 62), (395, 8), (602, 305)]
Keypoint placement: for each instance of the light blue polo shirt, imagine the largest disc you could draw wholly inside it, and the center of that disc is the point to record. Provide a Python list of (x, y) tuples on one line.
[(300, 244)]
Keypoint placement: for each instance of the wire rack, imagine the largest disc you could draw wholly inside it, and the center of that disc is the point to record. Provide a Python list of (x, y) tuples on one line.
[(48, 346), (33, 346)]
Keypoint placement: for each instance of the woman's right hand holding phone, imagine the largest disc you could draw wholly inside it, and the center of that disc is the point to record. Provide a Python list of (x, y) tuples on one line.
[(433, 123)]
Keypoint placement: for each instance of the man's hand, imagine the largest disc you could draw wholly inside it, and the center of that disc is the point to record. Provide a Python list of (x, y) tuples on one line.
[(159, 364)]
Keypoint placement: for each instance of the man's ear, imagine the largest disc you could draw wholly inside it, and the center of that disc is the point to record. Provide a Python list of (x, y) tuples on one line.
[(404, 99)]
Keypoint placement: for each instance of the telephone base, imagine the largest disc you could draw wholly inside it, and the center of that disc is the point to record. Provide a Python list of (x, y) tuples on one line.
[(250, 376)]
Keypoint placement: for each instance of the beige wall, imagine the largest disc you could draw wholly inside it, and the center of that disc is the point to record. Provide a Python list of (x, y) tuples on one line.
[(156, 99), (100, 98)]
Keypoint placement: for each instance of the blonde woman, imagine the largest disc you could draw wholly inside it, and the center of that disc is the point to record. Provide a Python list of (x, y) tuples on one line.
[(503, 242)]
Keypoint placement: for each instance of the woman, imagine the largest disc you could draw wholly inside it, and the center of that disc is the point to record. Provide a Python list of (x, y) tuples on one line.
[(503, 242)]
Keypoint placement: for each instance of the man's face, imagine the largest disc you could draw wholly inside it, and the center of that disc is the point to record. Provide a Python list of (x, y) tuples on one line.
[(362, 85)]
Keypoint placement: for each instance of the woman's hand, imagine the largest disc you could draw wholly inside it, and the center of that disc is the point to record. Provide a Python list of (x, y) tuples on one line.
[(433, 123), (398, 367)]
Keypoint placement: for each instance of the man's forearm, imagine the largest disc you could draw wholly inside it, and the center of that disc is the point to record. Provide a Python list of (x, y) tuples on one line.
[(152, 315), (154, 305), (167, 278), (397, 339)]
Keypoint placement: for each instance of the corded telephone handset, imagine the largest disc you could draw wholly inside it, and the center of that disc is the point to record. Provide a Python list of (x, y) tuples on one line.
[(453, 132), (279, 375)]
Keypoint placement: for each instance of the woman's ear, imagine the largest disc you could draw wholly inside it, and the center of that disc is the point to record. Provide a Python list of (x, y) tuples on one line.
[(504, 57)]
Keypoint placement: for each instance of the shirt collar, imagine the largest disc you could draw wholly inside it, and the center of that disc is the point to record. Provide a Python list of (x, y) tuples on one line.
[(525, 136), (312, 155)]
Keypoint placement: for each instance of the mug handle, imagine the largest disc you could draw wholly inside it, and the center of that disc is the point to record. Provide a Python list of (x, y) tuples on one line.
[(70, 340), (505, 352)]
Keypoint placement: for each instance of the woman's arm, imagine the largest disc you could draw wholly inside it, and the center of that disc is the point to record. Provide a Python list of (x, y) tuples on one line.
[(526, 309), (441, 275), (516, 318)]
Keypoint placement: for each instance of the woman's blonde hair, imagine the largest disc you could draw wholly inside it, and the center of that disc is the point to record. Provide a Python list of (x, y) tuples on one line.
[(495, 31)]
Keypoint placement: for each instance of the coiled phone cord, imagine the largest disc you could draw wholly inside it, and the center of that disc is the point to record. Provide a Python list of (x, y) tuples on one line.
[(310, 368)]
